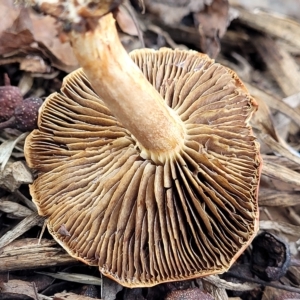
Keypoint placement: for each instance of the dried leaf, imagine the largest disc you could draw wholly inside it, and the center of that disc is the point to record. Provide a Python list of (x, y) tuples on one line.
[(293, 274), (263, 126), (15, 33), (283, 122), (8, 14), (63, 56), (24, 33), (212, 24), (125, 21), (171, 12), (282, 119)]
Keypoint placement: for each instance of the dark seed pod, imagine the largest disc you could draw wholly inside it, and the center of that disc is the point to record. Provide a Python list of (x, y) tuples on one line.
[(26, 114), (270, 257), (10, 98)]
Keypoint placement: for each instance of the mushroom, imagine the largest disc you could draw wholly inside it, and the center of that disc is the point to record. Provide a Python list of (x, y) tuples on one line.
[(10, 98), (147, 162), (24, 116)]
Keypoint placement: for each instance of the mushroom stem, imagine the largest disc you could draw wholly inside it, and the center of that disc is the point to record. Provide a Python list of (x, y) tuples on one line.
[(127, 93)]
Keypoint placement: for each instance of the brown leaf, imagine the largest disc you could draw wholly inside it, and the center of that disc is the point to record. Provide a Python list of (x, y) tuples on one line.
[(212, 25), (8, 14), (24, 33), (18, 34), (126, 22), (45, 31), (171, 12)]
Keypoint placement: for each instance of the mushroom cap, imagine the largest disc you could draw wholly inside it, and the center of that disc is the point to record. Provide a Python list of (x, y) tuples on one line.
[(144, 223), (26, 114), (10, 98)]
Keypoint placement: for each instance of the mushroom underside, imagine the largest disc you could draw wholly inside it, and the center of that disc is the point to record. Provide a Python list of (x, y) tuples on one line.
[(144, 223)]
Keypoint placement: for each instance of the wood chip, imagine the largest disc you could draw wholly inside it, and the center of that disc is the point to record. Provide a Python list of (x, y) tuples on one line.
[(274, 102), (32, 220), (281, 227), (19, 287), (14, 209), (269, 197), (14, 175), (272, 24), (281, 64), (28, 254), (281, 173)]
